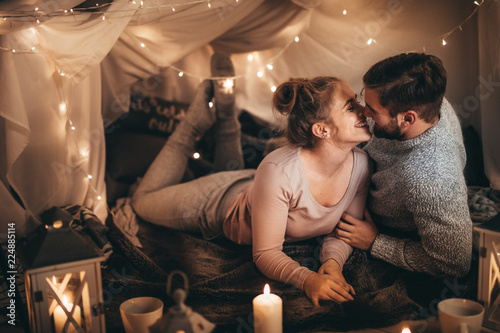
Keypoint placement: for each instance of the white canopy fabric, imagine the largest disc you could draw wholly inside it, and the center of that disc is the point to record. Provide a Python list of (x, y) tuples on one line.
[(55, 98)]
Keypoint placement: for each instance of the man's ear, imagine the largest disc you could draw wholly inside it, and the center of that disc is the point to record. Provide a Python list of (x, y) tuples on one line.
[(408, 118), (320, 130)]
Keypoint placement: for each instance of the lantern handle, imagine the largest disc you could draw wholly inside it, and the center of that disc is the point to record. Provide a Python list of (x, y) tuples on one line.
[(169, 281)]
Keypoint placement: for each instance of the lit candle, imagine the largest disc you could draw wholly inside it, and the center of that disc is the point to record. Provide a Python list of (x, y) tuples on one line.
[(268, 312), (60, 317)]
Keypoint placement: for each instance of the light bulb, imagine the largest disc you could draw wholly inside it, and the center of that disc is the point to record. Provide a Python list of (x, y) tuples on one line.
[(143, 45), (89, 176), (297, 39), (99, 197), (250, 57), (444, 42), (260, 74), (181, 74), (196, 155), (269, 66), (210, 104), (273, 88), (369, 41), (344, 12)]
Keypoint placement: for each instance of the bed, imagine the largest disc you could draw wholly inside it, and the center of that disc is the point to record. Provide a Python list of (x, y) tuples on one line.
[(223, 280)]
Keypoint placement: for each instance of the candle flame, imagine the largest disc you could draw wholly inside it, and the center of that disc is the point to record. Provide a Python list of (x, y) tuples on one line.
[(267, 290), (406, 330)]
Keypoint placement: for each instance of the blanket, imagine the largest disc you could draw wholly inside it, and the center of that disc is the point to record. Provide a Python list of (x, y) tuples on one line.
[(223, 280)]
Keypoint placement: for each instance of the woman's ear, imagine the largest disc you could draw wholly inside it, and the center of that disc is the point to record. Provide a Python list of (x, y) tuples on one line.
[(320, 130)]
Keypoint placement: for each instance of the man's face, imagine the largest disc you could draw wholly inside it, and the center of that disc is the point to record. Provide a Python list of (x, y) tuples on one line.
[(385, 126)]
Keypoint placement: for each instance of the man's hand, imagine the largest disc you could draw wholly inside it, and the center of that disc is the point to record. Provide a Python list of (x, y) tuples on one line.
[(357, 233)]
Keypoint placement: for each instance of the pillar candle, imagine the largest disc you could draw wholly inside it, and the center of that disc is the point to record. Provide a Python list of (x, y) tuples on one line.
[(60, 317), (268, 312)]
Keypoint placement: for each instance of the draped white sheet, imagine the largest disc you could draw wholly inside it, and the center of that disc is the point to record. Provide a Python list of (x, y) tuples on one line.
[(47, 163)]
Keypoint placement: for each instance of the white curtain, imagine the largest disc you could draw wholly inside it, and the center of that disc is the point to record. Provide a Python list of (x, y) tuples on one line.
[(54, 99), (489, 88)]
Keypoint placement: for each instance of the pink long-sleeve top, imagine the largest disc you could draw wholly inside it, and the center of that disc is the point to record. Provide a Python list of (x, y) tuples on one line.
[(278, 207)]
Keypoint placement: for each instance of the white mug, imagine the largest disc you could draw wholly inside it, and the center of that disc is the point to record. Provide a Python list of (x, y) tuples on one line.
[(139, 313), (460, 315)]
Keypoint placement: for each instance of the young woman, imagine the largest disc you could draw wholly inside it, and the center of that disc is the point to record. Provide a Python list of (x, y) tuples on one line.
[(298, 192)]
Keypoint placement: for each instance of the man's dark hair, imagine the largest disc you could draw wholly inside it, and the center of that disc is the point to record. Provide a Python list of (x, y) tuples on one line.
[(409, 81)]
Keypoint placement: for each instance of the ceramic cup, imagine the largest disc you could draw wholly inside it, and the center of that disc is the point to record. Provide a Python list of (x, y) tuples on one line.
[(139, 313), (460, 315)]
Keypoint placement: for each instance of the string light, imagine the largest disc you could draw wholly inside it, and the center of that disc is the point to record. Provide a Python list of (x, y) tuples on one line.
[(270, 67), (210, 104), (370, 41), (181, 74), (250, 57), (260, 74), (143, 45), (443, 42), (297, 39), (344, 12), (196, 155), (273, 88)]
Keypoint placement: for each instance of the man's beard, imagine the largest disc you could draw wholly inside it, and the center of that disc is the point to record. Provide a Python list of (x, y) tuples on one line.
[(390, 131)]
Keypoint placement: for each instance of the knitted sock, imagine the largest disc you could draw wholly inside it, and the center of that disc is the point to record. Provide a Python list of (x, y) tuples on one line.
[(199, 115), (228, 154)]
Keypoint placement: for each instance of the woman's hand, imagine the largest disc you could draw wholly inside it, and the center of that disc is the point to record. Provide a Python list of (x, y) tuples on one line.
[(326, 287), (332, 268), (357, 233)]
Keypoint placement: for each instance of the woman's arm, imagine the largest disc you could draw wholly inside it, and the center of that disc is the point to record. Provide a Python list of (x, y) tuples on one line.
[(270, 205)]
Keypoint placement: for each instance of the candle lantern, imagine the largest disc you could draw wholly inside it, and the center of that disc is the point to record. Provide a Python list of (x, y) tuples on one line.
[(489, 271), (62, 277)]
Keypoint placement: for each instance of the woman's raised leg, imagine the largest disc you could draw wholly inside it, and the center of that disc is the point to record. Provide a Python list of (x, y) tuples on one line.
[(228, 154)]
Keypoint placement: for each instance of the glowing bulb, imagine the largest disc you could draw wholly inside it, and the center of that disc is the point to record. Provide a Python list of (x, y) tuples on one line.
[(209, 5), (196, 155), (71, 10), (228, 86), (173, 9), (38, 21), (32, 48), (54, 279), (406, 330), (73, 128), (369, 41), (99, 197), (142, 4), (103, 17), (344, 12), (250, 57), (65, 11), (260, 74), (89, 176), (62, 109), (62, 74), (273, 88), (477, 3), (210, 104), (297, 39), (143, 45), (13, 51), (181, 74), (36, 8), (269, 66), (444, 42)]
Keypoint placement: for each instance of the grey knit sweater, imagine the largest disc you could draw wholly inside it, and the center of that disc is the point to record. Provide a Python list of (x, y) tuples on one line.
[(418, 199)]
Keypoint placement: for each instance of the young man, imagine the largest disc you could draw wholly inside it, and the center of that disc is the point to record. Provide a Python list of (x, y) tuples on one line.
[(418, 215)]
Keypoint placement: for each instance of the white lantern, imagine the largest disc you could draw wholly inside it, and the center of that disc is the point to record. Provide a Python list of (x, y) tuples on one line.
[(489, 271), (62, 276)]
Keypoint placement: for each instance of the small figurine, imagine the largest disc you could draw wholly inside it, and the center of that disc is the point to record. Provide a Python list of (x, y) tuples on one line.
[(180, 318)]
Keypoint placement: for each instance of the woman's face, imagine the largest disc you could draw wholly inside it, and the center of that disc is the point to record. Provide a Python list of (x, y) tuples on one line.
[(348, 123)]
